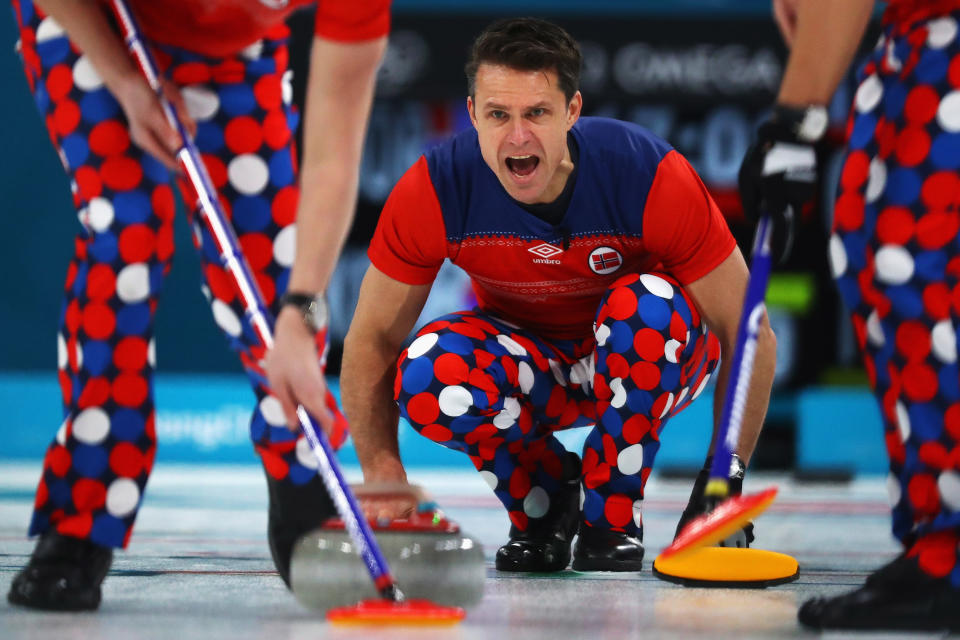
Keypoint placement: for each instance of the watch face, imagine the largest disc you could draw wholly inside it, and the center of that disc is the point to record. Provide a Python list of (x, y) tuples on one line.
[(316, 314), (814, 124)]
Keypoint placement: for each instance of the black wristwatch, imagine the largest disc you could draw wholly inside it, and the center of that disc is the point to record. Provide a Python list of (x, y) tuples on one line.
[(808, 124), (313, 308)]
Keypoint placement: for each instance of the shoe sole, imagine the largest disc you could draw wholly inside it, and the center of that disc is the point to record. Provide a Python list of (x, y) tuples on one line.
[(605, 564), (15, 598), (514, 567)]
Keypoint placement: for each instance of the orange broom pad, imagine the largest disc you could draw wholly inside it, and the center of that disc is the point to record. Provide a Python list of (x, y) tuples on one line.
[(727, 567)]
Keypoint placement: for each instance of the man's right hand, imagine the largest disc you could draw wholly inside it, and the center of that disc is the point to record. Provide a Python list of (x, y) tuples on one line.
[(148, 125)]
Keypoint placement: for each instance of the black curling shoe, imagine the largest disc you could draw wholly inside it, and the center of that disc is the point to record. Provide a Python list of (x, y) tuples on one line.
[(699, 504), (294, 511), (545, 545), (897, 597), (605, 550), (64, 574)]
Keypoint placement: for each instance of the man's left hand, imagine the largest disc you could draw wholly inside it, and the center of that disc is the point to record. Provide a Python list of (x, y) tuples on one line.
[(294, 371), (778, 177)]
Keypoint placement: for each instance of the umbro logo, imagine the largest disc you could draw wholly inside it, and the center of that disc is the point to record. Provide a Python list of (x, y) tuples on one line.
[(545, 253)]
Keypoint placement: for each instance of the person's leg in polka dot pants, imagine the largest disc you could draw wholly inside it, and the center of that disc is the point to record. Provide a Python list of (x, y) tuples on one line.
[(96, 469), (895, 256), (498, 393)]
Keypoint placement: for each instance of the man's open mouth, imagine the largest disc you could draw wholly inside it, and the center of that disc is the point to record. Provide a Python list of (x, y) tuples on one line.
[(522, 166)]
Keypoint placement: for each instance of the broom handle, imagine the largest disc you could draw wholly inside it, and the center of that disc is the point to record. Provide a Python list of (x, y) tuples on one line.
[(256, 311), (735, 400)]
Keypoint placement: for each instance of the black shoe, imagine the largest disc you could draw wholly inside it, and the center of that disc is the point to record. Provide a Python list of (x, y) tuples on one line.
[(64, 574), (545, 545), (699, 504), (605, 550), (294, 511), (898, 596)]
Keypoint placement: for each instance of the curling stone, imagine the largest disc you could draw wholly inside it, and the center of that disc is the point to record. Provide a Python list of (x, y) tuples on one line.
[(429, 556)]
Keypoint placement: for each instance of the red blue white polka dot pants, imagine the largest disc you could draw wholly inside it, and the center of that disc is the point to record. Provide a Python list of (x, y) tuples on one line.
[(894, 252), (498, 393), (96, 469)]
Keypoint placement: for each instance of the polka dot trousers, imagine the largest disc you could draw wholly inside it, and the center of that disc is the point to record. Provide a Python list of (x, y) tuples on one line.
[(894, 254), (498, 393), (96, 468)]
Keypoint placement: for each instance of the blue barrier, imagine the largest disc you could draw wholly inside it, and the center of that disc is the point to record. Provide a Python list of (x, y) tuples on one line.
[(839, 430), (205, 418)]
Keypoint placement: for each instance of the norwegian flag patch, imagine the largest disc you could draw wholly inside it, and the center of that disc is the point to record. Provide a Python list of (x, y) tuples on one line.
[(605, 260)]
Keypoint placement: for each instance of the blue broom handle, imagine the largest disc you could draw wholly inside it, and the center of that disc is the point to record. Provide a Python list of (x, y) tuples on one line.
[(735, 400), (256, 311)]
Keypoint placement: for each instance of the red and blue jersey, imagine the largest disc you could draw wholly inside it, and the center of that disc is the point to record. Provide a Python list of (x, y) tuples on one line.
[(219, 28), (637, 206)]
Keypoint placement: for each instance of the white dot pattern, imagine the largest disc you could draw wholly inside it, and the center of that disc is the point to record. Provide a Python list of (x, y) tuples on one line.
[(202, 103), (630, 460), (877, 180), (619, 393), (875, 330), (949, 485), (903, 422), (525, 377), (671, 350), (638, 512), (894, 264), (225, 318), (602, 333), (91, 426), (85, 76), (557, 372), (511, 345), (455, 401), (868, 94), (123, 495), (99, 214), (49, 29), (272, 411), (490, 478), (941, 32), (948, 113), (657, 285), (305, 454), (944, 341), (838, 256), (133, 283), (421, 345), (62, 359), (893, 490), (253, 51), (703, 385), (284, 246), (667, 405), (536, 504), (248, 174)]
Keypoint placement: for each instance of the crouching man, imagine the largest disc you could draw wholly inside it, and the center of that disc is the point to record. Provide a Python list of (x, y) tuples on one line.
[(608, 285)]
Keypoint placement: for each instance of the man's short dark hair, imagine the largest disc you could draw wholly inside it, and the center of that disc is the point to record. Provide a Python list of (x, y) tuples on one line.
[(527, 44)]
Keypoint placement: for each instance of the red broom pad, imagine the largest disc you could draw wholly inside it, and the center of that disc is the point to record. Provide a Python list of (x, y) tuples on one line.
[(730, 515)]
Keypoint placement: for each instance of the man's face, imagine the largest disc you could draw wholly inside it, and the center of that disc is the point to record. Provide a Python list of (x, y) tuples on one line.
[(522, 119)]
